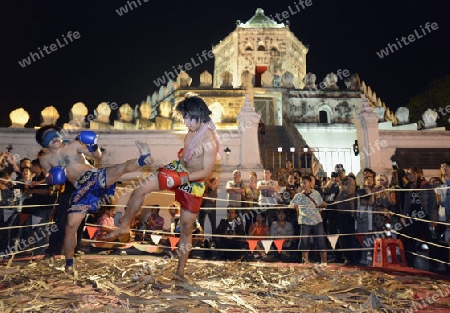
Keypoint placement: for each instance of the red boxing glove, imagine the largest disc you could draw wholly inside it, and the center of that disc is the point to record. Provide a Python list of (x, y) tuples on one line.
[(168, 179)]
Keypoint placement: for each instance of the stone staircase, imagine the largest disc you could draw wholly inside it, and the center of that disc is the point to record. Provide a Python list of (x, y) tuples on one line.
[(285, 136)]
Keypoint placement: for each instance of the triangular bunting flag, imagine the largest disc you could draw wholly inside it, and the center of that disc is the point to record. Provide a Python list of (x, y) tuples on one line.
[(360, 238), (279, 244), (91, 231), (252, 244), (173, 242), (156, 239), (333, 239), (23, 217), (266, 244), (35, 220)]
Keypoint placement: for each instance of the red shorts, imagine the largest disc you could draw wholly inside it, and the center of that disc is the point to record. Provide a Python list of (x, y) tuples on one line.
[(189, 195)]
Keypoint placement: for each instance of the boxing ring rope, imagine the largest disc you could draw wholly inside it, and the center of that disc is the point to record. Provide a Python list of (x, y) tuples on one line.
[(245, 237)]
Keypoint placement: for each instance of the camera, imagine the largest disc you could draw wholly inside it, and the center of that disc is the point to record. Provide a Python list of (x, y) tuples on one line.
[(230, 229), (361, 192), (9, 148)]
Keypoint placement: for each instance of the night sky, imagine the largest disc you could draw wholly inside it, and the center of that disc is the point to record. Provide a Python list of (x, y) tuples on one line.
[(116, 58)]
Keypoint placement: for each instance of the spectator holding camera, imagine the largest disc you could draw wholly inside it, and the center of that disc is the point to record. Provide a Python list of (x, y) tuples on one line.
[(330, 192), (316, 184), (384, 200), (344, 221), (10, 196), (331, 189), (364, 207), (8, 163), (40, 195), (419, 202), (232, 227)]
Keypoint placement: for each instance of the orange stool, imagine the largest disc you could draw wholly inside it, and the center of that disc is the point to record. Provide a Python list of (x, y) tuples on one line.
[(385, 253)]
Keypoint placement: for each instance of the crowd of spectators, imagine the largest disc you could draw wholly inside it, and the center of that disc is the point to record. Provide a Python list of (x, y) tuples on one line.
[(26, 201), (308, 209), (301, 210)]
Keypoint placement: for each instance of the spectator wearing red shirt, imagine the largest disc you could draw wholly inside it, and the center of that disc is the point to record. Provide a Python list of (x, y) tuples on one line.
[(259, 229), (106, 221)]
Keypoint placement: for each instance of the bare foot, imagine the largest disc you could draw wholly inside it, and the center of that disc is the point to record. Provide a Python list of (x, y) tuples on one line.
[(71, 272), (179, 277), (144, 151), (116, 234), (143, 147)]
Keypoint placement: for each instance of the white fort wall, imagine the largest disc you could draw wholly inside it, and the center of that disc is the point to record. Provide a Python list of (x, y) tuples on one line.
[(331, 144), (413, 139), (119, 146)]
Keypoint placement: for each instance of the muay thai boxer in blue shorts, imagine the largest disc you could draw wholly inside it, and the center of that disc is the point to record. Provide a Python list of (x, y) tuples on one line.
[(66, 161)]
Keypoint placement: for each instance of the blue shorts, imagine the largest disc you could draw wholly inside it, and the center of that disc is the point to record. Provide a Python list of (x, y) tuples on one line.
[(91, 192)]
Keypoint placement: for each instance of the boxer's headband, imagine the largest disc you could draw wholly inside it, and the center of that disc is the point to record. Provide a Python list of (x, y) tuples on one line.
[(49, 136)]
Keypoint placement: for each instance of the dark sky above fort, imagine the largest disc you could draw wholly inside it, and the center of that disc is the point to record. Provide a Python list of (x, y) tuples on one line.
[(118, 58)]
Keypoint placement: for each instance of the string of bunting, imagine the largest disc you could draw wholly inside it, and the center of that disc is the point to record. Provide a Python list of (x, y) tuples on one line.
[(267, 243)]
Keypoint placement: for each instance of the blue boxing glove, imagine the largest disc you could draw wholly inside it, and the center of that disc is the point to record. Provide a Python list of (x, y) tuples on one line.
[(56, 176), (89, 138)]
